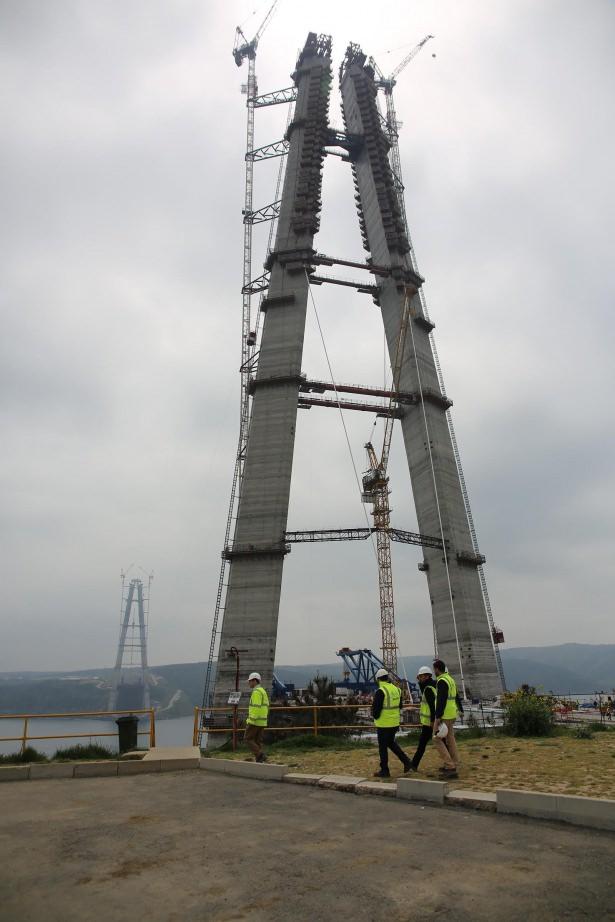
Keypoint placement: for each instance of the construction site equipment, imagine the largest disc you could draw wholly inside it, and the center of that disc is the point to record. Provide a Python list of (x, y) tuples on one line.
[(360, 672), (281, 690)]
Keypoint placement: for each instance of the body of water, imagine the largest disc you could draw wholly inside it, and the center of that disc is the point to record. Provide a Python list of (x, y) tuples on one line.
[(174, 732)]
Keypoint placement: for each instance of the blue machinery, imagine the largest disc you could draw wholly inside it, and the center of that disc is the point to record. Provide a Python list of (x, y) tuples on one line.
[(360, 668)]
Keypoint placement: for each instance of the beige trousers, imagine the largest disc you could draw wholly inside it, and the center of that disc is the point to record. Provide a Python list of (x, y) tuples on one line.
[(447, 747)]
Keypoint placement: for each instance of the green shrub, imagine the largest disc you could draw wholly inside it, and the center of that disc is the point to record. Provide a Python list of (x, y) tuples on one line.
[(528, 714), (28, 755), (584, 733), (332, 721), (80, 751), (598, 727)]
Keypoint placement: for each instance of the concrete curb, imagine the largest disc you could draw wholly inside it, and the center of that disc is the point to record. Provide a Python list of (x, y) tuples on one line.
[(479, 800), (565, 808), (432, 792), (41, 770), (347, 783), (95, 769), (301, 778), (44, 771), (141, 767), (14, 772), (263, 771), (377, 788)]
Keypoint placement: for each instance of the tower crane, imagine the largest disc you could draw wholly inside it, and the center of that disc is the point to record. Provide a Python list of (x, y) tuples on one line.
[(245, 49), (392, 125), (242, 49), (376, 491)]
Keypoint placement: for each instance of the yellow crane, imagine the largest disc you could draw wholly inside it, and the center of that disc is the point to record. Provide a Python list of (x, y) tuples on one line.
[(376, 491)]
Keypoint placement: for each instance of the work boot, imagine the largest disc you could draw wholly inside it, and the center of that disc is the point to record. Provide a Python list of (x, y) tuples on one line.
[(382, 774), (261, 758), (448, 772), (409, 768)]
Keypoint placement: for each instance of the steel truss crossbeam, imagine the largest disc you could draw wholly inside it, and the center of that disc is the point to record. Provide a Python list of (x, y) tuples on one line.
[(360, 534), (360, 286), (267, 213), (276, 149), (288, 94), (379, 409), (320, 259), (319, 387)]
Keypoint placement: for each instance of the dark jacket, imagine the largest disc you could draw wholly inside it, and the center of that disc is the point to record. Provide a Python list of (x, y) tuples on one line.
[(378, 703), (429, 690)]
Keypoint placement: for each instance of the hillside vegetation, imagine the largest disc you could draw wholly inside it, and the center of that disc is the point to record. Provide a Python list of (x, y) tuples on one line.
[(564, 669)]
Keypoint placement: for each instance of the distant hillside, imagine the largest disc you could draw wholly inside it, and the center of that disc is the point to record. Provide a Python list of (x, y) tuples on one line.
[(177, 687)]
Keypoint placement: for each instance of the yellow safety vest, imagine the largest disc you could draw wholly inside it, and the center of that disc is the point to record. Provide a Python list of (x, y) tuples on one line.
[(450, 710), (389, 715), (424, 710), (258, 709)]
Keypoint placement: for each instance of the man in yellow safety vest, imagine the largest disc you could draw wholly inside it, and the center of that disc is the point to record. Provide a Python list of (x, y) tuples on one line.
[(446, 715), (258, 711), (427, 712), (386, 708)]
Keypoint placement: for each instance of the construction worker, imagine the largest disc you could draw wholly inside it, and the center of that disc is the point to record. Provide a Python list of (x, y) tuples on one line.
[(446, 714), (427, 713), (258, 711), (386, 708)]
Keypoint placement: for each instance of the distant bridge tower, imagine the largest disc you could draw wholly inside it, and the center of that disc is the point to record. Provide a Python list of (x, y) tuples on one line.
[(132, 647)]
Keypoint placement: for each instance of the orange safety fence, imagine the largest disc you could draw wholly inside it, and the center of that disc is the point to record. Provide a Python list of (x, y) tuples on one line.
[(25, 736), (232, 711)]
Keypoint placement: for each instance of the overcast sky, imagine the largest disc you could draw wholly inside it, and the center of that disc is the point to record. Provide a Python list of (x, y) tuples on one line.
[(122, 142)]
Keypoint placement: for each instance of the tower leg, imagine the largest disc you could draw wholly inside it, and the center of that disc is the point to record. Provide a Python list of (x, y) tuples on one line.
[(256, 557), (461, 626)]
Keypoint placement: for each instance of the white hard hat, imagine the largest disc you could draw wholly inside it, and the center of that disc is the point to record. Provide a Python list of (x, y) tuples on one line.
[(442, 732), (254, 675), (425, 670), (382, 674)]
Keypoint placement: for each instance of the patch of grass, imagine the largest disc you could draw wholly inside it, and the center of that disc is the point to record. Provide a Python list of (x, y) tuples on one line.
[(599, 727), (309, 742), (19, 758), (83, 752)]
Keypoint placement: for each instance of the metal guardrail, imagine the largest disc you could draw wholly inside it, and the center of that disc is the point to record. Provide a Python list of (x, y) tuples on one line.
[(25, 736), (314, 726)]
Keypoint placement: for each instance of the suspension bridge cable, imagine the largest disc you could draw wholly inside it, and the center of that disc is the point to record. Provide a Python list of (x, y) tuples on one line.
[(339, 407)]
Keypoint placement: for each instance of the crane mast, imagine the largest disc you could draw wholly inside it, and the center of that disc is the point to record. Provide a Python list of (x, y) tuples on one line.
[(242, 50), (376, 491)]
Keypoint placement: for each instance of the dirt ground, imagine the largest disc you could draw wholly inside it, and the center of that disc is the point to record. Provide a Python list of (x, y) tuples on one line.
[(558, 764), (209, 848)]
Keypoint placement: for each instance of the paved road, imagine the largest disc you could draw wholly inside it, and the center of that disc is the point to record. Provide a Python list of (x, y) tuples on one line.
[(199, 847)]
